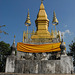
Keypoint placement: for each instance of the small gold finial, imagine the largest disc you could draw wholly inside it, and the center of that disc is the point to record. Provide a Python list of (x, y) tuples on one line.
[(14, 36), (28, 10), (28, 22), (62, 34), (55, 21), (52, 32), (42, 1), (33, 30), (59, 35)]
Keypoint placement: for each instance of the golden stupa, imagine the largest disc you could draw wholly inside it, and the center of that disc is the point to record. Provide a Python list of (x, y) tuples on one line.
[(40, 40), (42, 23)]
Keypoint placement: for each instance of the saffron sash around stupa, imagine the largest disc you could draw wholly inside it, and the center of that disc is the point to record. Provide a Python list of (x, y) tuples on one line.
[(32, 48)]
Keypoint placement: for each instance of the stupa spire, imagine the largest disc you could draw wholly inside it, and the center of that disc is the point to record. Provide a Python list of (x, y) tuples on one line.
[(42, 6), (42, 13), (42, 1), (13, 47), (28, 22), (55, 21), (42, 23)]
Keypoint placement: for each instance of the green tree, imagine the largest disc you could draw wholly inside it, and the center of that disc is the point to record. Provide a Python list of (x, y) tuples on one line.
[(5, 50), (72, 51), (2, 31)]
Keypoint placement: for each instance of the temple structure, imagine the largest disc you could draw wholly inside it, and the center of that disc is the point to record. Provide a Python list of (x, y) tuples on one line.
[(41, 52)]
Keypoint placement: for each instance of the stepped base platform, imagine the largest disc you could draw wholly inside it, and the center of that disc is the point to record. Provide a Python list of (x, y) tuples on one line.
[(62, 66)]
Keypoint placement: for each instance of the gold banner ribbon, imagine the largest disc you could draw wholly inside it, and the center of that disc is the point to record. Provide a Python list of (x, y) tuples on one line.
[(32, 48)]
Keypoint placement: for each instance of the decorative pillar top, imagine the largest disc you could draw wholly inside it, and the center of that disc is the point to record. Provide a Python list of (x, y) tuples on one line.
[(42, 1)]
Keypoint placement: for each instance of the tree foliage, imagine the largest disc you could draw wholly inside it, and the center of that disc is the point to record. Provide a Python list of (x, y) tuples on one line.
[(4, 52), (1, 30), (72, 51)]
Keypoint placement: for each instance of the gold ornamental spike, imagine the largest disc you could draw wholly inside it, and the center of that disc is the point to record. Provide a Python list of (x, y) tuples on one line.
[(55, 21), (42, 1), (52, 32), (33, 30), (28, 22), (14, 36)]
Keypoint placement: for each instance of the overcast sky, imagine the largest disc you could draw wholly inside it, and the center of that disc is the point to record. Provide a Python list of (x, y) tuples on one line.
[(13, 14)]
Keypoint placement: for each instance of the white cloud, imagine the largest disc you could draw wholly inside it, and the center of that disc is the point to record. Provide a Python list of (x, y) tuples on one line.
[(65, 33), (65, 26)]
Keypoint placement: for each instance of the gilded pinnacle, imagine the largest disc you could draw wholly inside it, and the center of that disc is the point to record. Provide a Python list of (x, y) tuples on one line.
[(28, 22), (14, 36), (55, 21), (42, 1)]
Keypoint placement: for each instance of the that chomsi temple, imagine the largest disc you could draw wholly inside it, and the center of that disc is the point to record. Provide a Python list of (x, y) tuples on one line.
[(41, 51)]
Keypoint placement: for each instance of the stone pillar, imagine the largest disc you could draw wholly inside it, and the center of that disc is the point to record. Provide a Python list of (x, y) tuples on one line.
[(62, 47), (66, 64), (10, 64)]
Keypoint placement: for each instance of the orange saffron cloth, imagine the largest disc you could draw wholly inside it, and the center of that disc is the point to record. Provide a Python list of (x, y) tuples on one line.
[(33, 48)]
